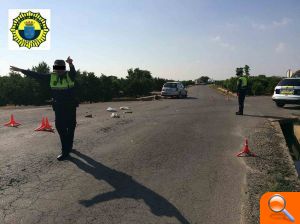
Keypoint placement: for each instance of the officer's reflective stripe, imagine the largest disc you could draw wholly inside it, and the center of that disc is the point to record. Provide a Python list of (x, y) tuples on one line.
[(61, 84), (60, 88)]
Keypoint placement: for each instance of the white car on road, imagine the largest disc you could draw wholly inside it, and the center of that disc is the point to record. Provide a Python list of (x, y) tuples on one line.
[(174, 89), (287, 91)]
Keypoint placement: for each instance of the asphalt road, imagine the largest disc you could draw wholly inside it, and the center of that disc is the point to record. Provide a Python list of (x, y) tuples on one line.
[(170, 161)]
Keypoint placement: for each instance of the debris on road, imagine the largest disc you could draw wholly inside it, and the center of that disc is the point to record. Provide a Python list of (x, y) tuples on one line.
[(124, 99), (146, 98), (127, 112), (115, 115), (158, 97), (110, 109), (89, 116)]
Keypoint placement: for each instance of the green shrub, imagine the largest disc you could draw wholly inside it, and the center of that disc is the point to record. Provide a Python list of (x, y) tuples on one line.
[(257, 85), (257, 88)]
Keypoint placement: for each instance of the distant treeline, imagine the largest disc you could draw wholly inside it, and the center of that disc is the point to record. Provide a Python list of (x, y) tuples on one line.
[(19, 90), (257, 85)]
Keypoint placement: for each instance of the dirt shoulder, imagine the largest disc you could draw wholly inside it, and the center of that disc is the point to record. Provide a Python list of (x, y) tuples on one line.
[(223, 91), (273, 170)]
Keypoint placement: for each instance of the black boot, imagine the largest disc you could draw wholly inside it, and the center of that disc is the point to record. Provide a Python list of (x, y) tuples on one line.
[(62, 156), (239, 113)]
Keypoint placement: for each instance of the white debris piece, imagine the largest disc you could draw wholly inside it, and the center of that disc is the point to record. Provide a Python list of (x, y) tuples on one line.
[(124, 108), (110, 109), (115, 115)]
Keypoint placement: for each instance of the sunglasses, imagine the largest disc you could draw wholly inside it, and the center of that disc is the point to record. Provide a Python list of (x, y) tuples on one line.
[(57, 67)]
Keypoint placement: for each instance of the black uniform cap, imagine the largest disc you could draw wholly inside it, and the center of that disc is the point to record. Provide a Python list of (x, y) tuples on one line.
[(59, 65)]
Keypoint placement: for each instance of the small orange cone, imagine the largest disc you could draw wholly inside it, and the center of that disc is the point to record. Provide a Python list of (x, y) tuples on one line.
[(47, 126), (42, 125), (12, 122), (246, 151)]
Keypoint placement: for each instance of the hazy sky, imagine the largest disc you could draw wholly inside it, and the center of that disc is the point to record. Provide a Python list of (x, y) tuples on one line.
[(175, 39)]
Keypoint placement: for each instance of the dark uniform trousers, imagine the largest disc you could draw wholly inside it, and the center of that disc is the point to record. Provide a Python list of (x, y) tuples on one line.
[(242, 95), (65, 122)]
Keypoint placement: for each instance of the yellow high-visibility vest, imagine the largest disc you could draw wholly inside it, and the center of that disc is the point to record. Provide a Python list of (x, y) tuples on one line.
[(244, 81), (61, 83)]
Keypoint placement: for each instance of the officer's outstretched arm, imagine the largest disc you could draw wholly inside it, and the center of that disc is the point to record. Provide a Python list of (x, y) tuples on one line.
[(15, 69), (32, 74)]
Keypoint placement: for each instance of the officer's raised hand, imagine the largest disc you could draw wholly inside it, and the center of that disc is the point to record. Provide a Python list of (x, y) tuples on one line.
[(69, 60)]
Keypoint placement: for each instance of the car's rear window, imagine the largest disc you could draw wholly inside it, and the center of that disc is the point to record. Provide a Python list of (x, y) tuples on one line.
[(170, 85), (289, 82)]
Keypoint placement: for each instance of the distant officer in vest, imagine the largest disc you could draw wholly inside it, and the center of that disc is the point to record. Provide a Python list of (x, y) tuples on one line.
[(62, 85), (241, 90)]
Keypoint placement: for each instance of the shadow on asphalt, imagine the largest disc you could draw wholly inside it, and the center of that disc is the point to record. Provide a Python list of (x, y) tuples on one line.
[(292, 107), (267, 116), (191, 98), (188, 98), (125, 187)]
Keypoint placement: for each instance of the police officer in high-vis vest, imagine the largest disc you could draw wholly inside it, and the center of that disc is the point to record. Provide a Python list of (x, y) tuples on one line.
[(242, 84), (62, 84)]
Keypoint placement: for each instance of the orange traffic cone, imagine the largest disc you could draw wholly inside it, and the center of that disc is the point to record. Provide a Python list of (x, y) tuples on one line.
[(47, 126), (246, 151), (42, 125), (12, 122)]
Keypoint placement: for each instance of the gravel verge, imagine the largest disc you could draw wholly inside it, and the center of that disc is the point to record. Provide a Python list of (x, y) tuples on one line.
[(272, 171)]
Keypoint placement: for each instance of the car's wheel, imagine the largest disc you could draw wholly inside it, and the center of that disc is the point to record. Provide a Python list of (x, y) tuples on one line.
[(279, 104), (179, 96)]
